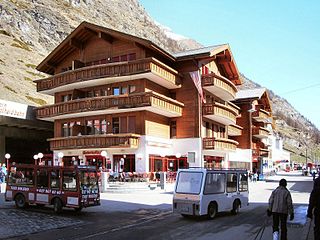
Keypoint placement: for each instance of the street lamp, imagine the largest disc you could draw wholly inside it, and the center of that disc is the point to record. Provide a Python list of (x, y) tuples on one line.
[(7, 156), (40, 156), (35, 157)]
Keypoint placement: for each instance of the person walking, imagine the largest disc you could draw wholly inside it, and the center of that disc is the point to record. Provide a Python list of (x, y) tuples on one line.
[(314, 207), (280, 206)]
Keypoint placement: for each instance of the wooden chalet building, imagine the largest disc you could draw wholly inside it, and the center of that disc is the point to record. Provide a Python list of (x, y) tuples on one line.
[(125, 95), (255, 120)]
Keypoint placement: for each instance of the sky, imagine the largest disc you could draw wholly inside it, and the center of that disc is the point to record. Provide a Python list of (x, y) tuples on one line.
[(274, 43)]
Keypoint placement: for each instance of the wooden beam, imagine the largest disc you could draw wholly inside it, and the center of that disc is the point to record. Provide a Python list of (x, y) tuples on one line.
[(76, 43), (106, 37), (224, 59), (90, 31)]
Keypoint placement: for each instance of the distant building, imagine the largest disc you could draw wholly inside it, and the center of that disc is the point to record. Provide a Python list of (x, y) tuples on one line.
[(21, 134), (279, 156), (255, 121)]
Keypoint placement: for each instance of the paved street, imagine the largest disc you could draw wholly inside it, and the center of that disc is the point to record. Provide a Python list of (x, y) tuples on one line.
[(147, 215)]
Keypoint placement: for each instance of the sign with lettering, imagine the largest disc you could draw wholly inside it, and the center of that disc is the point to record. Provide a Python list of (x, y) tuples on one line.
[(13, 109)]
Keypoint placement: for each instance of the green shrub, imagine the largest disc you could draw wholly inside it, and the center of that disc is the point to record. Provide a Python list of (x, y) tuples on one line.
[(38, 101), (20, 44), (10, 89), (4, 32)]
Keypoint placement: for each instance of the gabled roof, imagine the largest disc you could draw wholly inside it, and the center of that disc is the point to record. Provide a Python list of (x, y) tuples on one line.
[(260, 94), (210, 50), (85, 31), (221, 54), (255, 93)]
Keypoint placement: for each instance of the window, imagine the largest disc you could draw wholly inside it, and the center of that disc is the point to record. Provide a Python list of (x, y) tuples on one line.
[(21, 176), (97, 93), (115, 125), (104, 92), (65, 130), (132, 56), (124, 90), (116, 91), (42, 178), (103, 126), (90, 130), (69, 182), (55, 179), (243, 182), (208, 130), (189, 182), (124, 58), (232, 182), (96, 126), (90, 94), (215, 183), (173, 129), (66, 98), (132, 88)]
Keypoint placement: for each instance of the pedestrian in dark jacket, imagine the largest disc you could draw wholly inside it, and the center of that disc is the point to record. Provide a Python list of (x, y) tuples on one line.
[(280, 206), (314, 207)]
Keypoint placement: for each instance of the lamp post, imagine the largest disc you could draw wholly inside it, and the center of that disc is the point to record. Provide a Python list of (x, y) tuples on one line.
[(35, 157), (40, 156), (7, 156)]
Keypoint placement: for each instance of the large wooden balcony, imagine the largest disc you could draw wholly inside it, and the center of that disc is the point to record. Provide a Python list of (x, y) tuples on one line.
[(221, 113), (102, 74), (95, 141), (261, 115), (219, 144), (234, 130), (219, 86), (260, 152), (149, 101), (260, 132)]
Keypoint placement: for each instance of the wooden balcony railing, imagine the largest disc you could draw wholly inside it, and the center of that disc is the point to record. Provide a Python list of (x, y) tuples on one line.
[(167, 106), (222, 144), (260, 152), (234, 130), (147, 65), (261, 115), (95, 141), (221, 113), (219, 86), (260, 132)]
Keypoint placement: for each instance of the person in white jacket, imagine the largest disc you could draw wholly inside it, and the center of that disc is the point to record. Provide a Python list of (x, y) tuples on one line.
[(280, 206)]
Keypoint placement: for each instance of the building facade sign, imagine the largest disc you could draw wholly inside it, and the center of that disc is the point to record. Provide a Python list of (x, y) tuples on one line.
[(13, 109)]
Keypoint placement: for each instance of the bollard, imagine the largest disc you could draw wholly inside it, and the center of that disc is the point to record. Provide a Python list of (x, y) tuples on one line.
[(163, 180), (104, 181)]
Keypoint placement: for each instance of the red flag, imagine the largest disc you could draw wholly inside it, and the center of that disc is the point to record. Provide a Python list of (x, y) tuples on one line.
[(197, 82)]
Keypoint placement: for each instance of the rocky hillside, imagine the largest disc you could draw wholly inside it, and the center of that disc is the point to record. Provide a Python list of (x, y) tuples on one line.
[(30, 29)]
